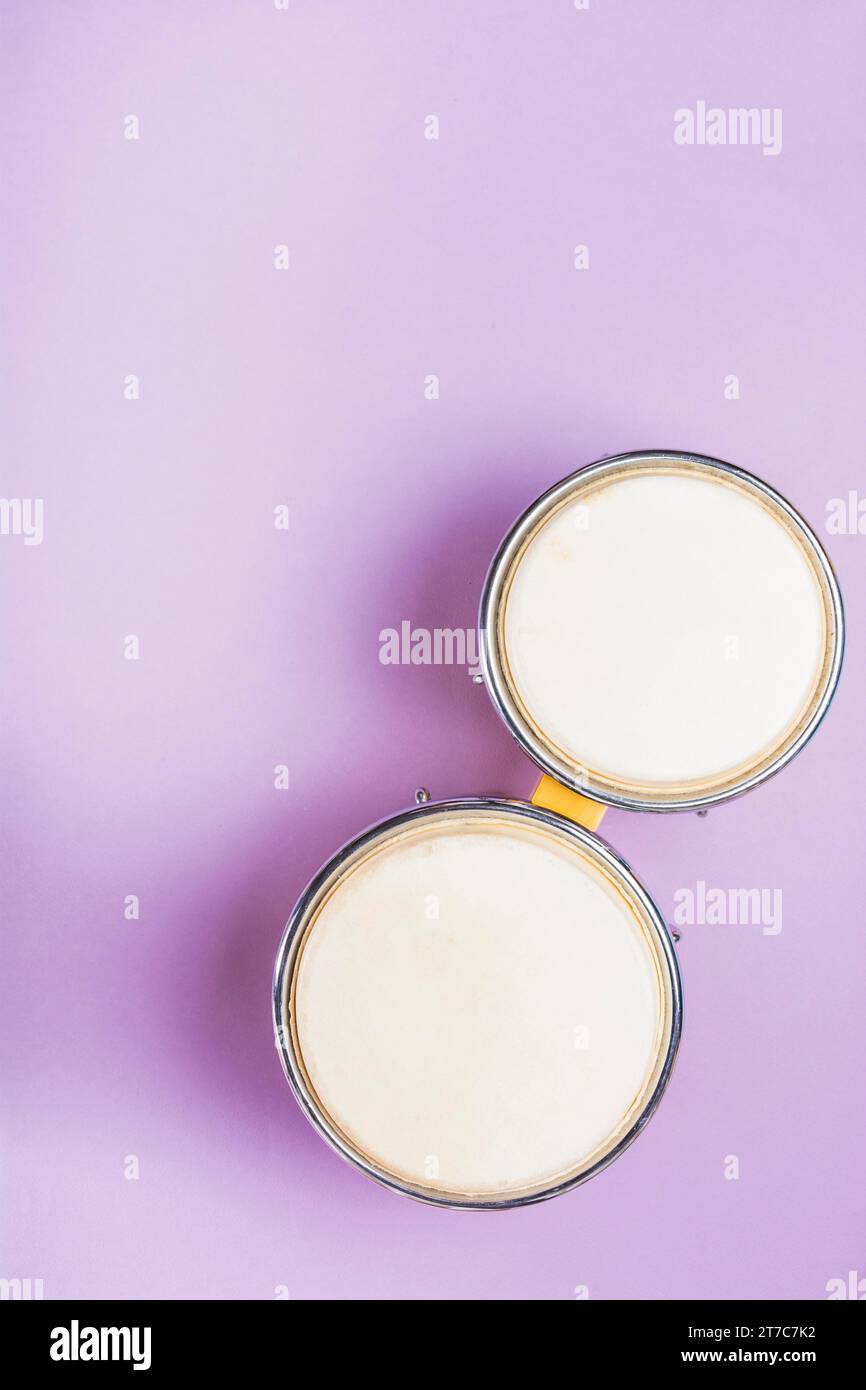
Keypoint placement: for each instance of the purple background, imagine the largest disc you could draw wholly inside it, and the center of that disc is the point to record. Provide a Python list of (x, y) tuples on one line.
[(259, 647)]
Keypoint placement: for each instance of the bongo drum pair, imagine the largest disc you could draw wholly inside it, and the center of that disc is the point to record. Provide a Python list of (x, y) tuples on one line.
[(477, 1002)]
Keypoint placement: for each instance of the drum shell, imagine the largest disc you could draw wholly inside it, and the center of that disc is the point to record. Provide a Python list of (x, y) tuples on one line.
[(303, 916)]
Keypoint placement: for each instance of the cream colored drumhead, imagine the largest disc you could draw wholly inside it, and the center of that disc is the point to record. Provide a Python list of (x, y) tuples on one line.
[(480, 1006), (665, 629)]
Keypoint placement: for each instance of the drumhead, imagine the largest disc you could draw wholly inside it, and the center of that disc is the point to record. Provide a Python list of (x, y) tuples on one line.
[(478, 1003), (661, 631)]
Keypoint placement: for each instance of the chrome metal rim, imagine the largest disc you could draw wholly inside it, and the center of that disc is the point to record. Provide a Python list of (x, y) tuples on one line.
[(288, 955), (509, 710)]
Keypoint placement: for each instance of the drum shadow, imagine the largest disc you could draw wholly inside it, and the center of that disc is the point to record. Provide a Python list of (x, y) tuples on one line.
[(428, 725), (416, 643), (235, 1055)]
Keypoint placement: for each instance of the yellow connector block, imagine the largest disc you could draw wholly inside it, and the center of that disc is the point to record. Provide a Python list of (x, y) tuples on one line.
[(553, 796)]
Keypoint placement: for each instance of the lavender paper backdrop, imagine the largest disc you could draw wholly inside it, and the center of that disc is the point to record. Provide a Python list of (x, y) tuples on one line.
[(258, 387)]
